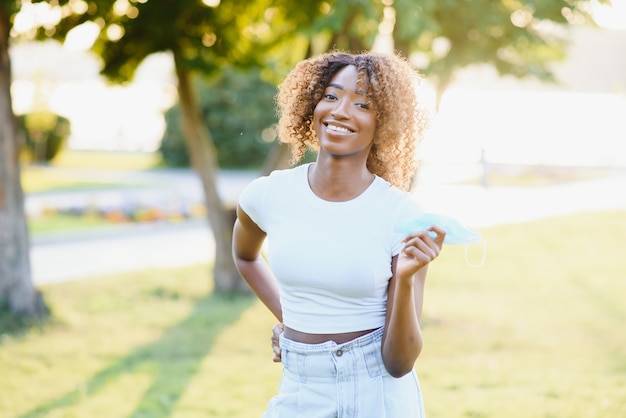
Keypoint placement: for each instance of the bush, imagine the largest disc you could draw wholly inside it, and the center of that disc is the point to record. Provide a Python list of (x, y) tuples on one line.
[(239, 110), (44, 134)]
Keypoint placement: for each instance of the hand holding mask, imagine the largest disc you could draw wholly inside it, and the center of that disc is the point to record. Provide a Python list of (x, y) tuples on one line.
[(456, 232)]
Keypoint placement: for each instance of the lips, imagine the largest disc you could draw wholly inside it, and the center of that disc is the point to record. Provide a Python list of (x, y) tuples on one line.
[(333, 127)]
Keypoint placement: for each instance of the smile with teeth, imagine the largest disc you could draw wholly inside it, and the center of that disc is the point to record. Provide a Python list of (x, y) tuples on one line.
[(339, 129)]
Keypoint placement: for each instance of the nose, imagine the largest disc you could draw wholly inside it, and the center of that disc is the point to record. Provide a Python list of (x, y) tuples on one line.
[(341, 109)]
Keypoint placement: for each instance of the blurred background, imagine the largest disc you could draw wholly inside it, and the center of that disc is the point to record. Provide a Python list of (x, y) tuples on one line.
[(137, 123), (520, 98)]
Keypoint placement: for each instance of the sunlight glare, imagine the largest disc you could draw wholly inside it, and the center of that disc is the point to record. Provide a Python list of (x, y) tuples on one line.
[(82, 37), (611, 16), (79, 6), (115, 32), (211, 3), (120, 7), (32, 15)]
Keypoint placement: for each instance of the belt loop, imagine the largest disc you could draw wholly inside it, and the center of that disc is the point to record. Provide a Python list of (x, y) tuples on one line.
[(372, 356), (301, 367)]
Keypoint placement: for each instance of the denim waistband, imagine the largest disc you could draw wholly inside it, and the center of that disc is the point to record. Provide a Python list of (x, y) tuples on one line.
[(330, 346)]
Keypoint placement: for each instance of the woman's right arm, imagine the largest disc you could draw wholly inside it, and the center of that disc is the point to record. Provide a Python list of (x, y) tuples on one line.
[(247, 243)]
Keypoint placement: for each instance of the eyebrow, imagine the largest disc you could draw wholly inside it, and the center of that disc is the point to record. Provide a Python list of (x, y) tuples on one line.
[(340, 87)]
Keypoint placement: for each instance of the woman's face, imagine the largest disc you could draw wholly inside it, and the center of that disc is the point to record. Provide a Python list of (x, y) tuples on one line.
[(343, 120)]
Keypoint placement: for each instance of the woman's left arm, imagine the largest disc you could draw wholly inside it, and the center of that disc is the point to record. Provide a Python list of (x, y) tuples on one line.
[(402, 341)]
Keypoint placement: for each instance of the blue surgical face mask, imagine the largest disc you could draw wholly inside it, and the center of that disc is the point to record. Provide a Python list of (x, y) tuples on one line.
[(456, 232)]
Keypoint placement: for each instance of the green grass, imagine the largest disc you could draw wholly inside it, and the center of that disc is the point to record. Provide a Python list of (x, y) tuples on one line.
[(104, 160), (503, 175), (64, 223), (537, 332), (44, 178)]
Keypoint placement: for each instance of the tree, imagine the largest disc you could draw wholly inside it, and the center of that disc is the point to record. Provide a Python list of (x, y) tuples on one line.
[(17, 291), (441, 37), (520, 38), (238, 106), (203, 37), (44, 134)]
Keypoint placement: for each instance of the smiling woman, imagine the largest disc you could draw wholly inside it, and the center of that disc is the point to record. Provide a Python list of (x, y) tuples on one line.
[(343, 120), (347, 289)]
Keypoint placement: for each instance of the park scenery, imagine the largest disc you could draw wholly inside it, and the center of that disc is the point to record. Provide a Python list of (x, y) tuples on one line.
[(534, 332), (129, 128)]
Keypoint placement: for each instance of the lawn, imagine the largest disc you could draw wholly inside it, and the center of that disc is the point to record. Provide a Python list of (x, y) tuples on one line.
[(65, 223), (103, 160), (36, 178), (538, 331)]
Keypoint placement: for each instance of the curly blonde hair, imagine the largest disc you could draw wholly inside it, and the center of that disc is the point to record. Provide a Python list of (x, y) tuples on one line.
[(390, 83)]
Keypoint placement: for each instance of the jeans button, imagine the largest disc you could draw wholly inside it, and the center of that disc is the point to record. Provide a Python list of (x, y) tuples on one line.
[(339, 352)]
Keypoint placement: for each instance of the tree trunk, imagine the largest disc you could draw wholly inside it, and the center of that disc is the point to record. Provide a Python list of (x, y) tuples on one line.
[(278, 158), (441, 85), (16, 287), (203, 158)]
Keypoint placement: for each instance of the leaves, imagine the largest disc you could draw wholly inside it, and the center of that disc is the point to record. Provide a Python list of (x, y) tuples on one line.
[(509, 34), (238, 107)]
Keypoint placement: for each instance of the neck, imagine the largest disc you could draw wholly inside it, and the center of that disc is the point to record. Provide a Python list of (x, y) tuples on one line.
[(339, 180)]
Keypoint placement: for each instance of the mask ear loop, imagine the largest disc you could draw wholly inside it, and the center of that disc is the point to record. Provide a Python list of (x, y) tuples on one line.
[(482, 261)]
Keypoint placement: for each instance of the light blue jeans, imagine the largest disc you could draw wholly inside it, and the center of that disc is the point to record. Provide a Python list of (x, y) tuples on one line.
[(349, 380)]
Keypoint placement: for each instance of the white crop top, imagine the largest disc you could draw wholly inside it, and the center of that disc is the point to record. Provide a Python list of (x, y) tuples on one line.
[(332, 260)]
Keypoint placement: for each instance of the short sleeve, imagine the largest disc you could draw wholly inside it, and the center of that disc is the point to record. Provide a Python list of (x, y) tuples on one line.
[(252, 199), (408, 208)]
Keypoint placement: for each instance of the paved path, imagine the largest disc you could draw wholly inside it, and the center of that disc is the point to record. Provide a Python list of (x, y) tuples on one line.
[(121, 249), (479, 206), (76, 255), (135, 247)]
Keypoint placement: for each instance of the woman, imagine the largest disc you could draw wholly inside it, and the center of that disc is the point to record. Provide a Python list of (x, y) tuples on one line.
[(347, 288)]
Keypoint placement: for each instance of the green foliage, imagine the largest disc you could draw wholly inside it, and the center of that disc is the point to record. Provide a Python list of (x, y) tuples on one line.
[(44, 134), (239, 109), (511, 35), (348, 25), (8, 8), (447, 35), (203, 38)]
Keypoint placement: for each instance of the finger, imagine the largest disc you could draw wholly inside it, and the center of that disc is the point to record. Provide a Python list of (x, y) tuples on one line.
[(433, 236), (421, 234), (441, 234), (423, 241), (278, 329), (275, 338), (422, 248), (421, 256), (277, 355), (434, 231)]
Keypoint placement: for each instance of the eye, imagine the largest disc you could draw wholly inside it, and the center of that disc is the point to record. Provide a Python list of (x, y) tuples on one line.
[(363, 106), (330, 96)]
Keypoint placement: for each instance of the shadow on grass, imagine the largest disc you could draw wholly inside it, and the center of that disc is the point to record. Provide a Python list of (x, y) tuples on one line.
[(17, 326), (171, 361)]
